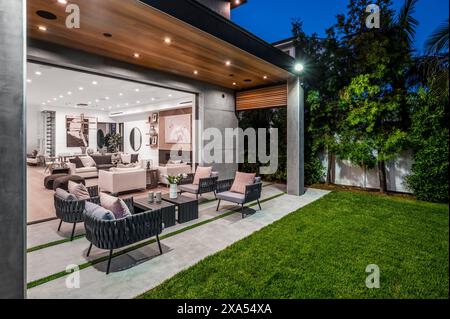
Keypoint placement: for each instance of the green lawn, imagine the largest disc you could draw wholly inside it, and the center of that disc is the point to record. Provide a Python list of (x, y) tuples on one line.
[(322, 250)]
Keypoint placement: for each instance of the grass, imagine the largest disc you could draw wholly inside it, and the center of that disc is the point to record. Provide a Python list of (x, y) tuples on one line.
[(322, 250)]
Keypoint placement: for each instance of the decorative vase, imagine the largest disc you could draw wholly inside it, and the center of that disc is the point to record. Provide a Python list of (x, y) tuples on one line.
[(173, 192)]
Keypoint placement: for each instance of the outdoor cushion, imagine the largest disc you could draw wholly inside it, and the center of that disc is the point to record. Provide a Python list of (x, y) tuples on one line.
[(49, 180), (232, 197), (115, 205), (241, 180), (202, 172), (98, 212), (78, 190), (102, 159), (61, 193), (190, 188)]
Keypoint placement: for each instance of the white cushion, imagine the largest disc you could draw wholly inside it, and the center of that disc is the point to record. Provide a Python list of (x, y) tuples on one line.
[(87, 161), (126, 158)]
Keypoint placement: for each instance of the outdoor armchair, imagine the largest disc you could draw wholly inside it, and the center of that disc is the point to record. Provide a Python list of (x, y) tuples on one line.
[(205, 185), (118, 233), (71, 211), (252, 193)]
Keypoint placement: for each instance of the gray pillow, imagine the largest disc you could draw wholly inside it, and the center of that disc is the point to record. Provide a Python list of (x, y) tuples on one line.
[(214, 174), (61, 193), (98, 212)]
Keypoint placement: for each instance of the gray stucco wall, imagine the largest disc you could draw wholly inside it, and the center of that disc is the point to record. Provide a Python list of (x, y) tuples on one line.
[(216, 105), (12, 148)]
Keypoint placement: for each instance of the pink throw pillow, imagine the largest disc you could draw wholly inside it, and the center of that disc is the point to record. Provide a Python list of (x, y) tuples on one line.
[(241, 180), (115, 205), (202, 172), (78, 190)]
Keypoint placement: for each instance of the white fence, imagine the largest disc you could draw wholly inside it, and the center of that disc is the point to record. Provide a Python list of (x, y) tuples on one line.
[(396, 171)]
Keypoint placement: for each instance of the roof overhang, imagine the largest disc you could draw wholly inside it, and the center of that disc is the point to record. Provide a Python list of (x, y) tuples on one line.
[(200, 40)]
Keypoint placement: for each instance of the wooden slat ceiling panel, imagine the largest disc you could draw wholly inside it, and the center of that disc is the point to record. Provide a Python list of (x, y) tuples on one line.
[(269, 97), (138, 28)]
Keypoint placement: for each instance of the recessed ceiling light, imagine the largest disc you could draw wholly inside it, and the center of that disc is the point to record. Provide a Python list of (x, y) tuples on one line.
[(42, 28), (238, 2), (170, 95), (110, 107), (168, 40), (89, 102), (153, 98), (81, 88), (97, 100), (103, 108), (43, 103), (228, 63), (55, 98), (62, 1), (38, 72), (69, 93), (195, 72), (120, 94), (61, 96), (48, 101), (138, 102), (136, 55), (137, 90), (234, 83), (29, 80), (106, 97), (94, 82), (126, 104), (265, 77)]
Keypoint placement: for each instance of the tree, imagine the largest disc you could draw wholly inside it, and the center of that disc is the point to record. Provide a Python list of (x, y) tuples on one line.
[(325, 75), (374, 104)]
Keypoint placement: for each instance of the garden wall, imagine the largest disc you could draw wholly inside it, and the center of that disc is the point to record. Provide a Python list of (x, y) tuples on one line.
[(350, 175)]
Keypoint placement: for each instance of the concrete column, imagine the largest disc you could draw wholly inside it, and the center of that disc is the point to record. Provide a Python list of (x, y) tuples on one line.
[(12, 149), (295, 138)]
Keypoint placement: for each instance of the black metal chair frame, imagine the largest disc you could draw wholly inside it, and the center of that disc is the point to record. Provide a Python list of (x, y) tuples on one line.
[(71, 211), (114, 234), (205, 185), (252, 192)]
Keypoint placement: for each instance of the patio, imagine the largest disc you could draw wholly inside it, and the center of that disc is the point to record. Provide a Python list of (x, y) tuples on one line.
[(139, 268)]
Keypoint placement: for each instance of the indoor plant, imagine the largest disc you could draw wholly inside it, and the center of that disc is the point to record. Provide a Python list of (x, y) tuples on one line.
[(173, 182)]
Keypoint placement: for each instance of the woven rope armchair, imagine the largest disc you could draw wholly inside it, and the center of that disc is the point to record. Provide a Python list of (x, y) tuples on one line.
[(205, 185), (114, 234), (252, 193), (71, 211)]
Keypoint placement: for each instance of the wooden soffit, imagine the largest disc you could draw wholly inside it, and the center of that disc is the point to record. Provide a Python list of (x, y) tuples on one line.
[(263, 98), (139, 28)]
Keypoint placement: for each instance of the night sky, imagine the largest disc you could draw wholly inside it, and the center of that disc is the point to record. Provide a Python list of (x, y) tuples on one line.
[(270, 19)]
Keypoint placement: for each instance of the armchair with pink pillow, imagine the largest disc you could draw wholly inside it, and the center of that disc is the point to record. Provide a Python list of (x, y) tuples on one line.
[(243, 189), (203, 181)]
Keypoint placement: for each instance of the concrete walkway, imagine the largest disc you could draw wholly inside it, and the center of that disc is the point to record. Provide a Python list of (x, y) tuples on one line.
[(143, 269)]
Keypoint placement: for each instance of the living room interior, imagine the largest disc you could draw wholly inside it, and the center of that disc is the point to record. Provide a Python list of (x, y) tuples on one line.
[(119, 124)]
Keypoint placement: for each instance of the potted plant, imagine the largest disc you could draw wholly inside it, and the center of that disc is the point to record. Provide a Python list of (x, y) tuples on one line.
[(112, 142), (173, 182)]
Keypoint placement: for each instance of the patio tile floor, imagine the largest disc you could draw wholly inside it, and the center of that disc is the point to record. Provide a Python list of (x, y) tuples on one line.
[(142, 269)]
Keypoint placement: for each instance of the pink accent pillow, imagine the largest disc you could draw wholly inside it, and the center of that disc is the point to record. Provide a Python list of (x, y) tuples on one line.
[(202, 172), (115, 205), (241, 180), (78, 190)]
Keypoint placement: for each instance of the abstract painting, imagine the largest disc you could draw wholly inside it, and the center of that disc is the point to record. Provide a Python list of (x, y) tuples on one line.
[(178, 129), (77, 129)]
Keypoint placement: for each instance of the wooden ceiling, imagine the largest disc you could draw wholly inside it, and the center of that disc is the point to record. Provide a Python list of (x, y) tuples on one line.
[(138, 28)]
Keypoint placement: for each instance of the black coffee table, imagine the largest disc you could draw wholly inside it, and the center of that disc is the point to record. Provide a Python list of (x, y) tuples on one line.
[(167, 209), (187, 207)]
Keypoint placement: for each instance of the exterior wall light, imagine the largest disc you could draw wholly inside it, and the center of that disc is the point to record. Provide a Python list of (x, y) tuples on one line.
[(299, 67)]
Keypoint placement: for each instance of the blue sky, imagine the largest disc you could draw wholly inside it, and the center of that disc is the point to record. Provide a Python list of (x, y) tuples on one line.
[(270, 20)]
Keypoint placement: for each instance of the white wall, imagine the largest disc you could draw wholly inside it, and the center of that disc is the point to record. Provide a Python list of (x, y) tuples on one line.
[(60, 118), (396, 170), (139, 121), (34, 128)]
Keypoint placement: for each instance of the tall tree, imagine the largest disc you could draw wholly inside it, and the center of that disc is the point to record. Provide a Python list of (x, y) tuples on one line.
[(375, 102)]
